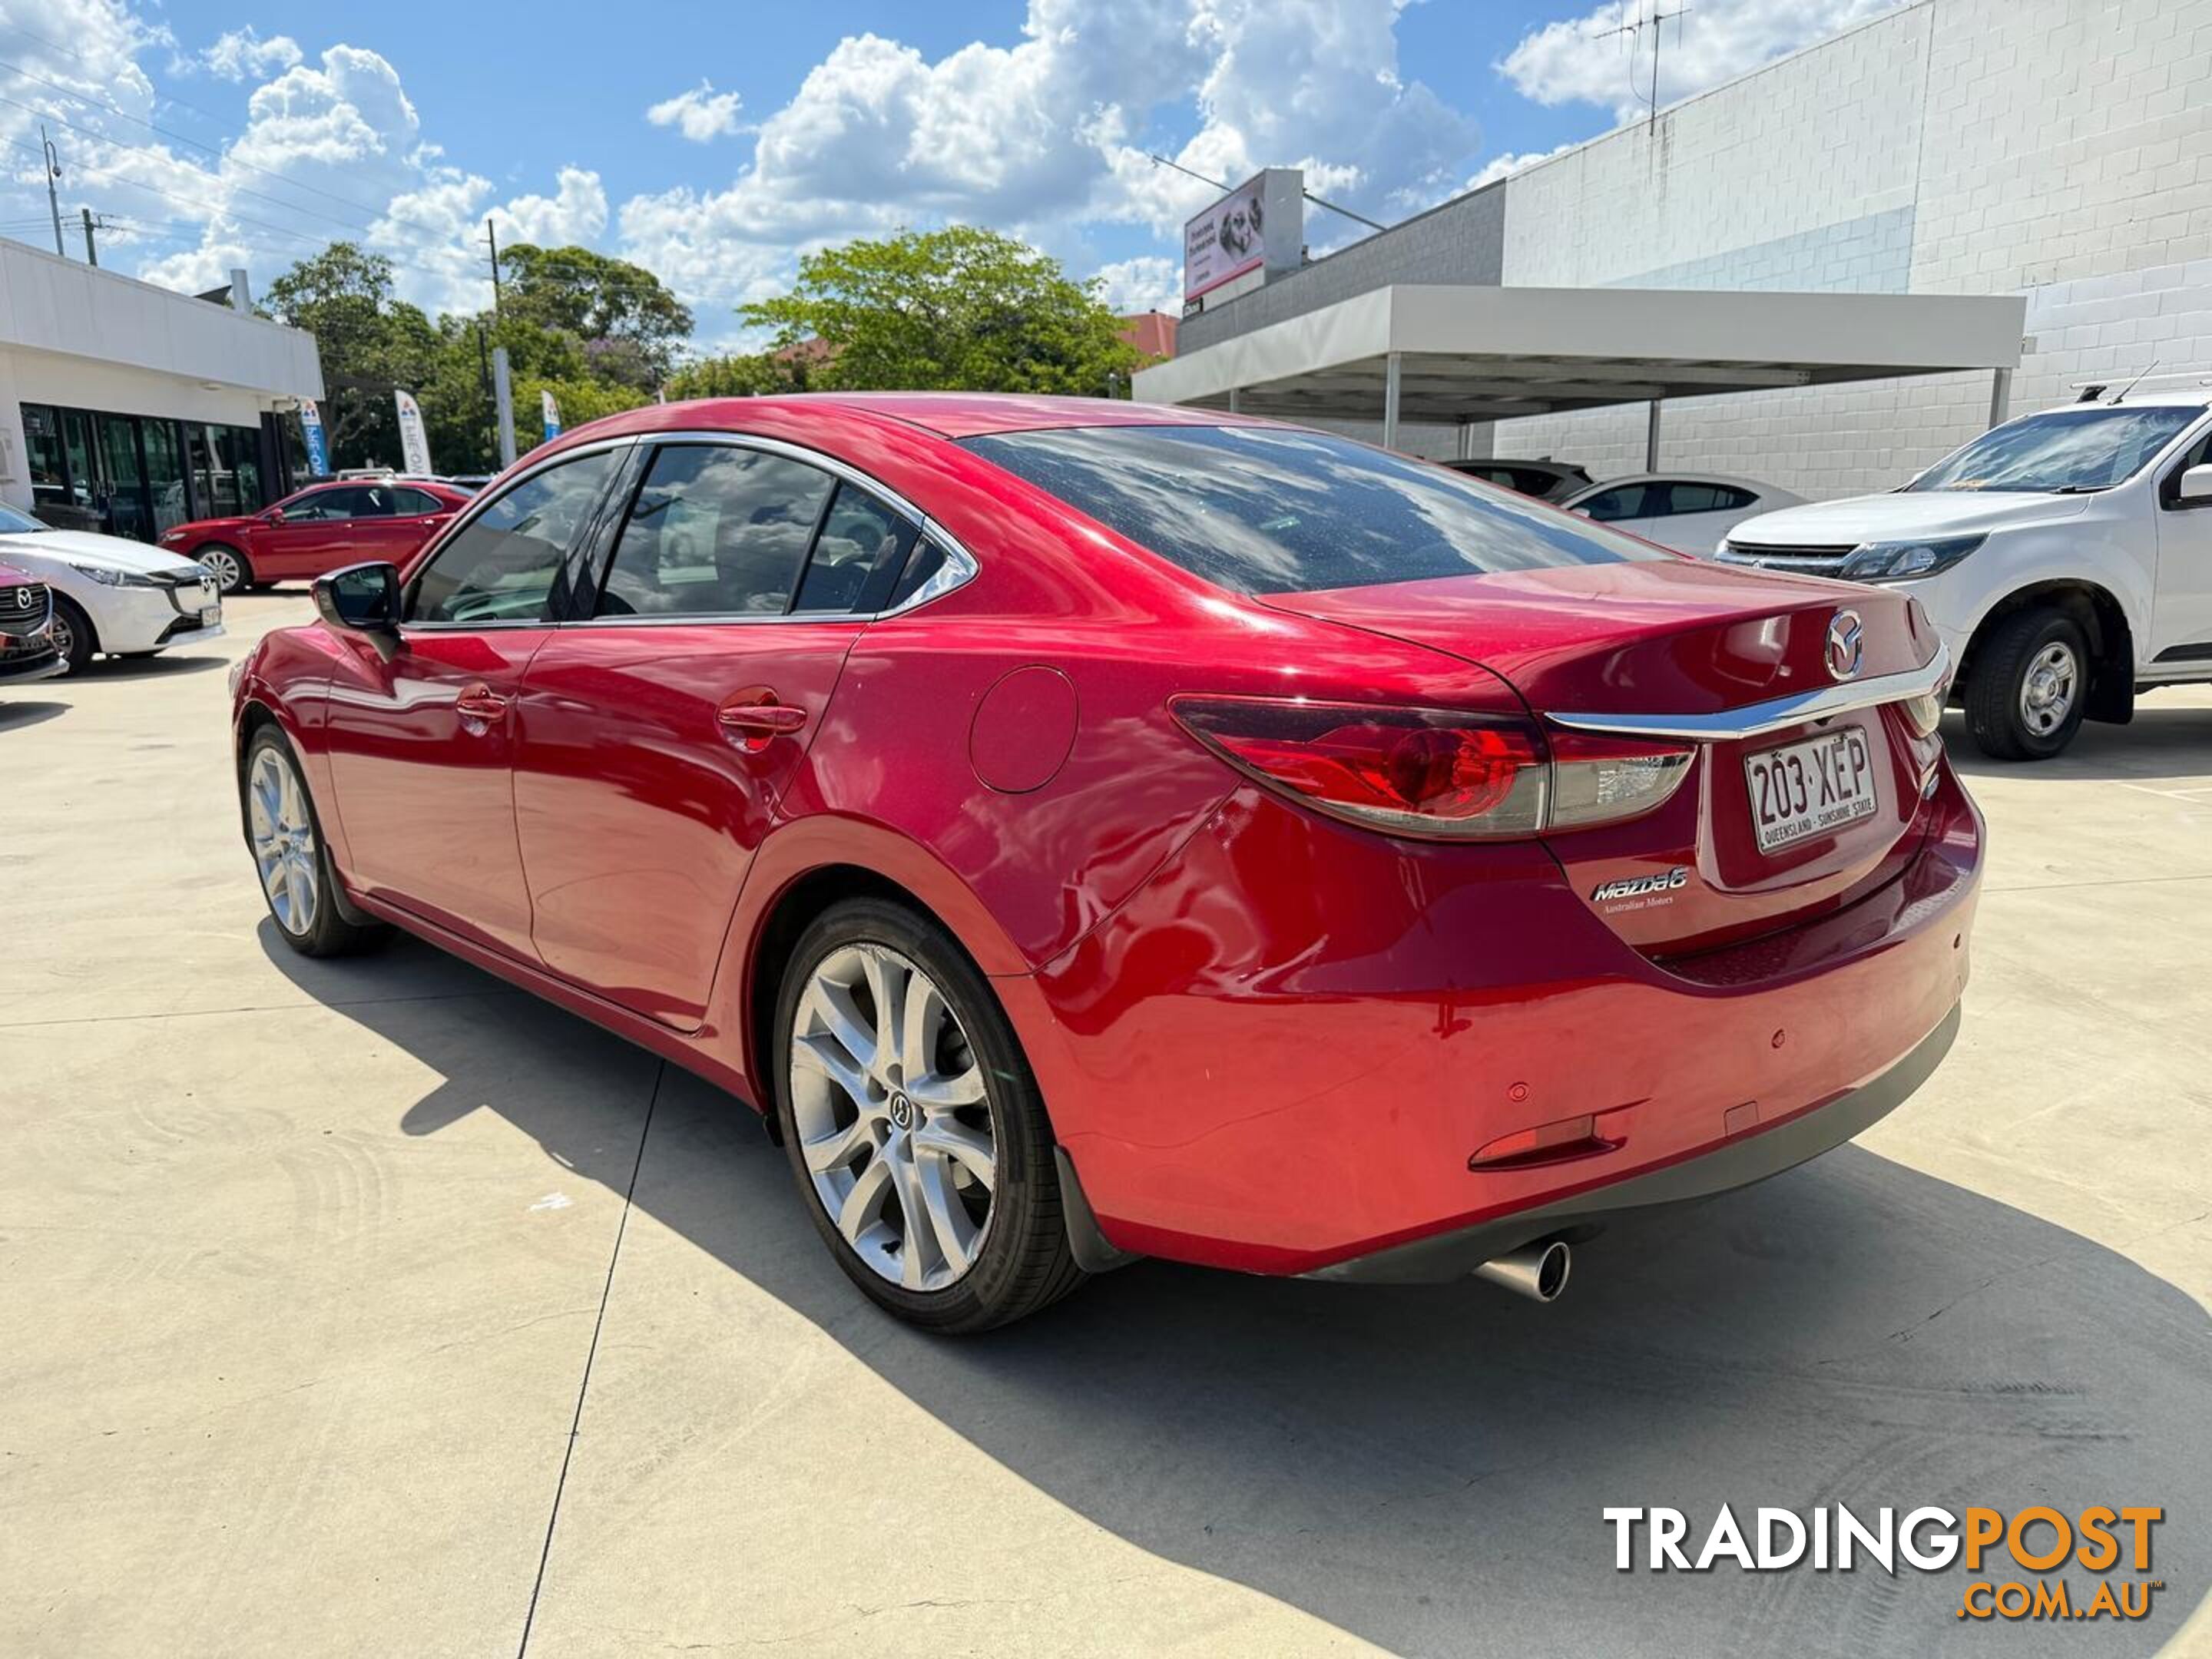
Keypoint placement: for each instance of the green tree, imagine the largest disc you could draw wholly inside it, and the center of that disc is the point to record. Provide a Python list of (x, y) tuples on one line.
[(758, 376), (628, 327), (957, 309), (369, 342)]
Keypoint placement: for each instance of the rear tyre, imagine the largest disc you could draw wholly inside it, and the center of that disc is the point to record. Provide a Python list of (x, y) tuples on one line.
[(916, 1135), (291, 857), (2030, 686), (73, 635), (233, 573)]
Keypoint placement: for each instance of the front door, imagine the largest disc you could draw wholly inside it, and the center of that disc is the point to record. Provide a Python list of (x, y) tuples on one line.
[(422, 734), (657, 736), (2182, 613), (312, 538)]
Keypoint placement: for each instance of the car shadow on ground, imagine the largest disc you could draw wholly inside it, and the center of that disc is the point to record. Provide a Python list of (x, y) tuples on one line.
[(2160, 742), (163, 665), (1426, 1467), (15, 716)]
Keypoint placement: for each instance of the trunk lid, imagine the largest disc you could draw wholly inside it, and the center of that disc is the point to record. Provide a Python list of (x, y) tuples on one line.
[(1693, 640)]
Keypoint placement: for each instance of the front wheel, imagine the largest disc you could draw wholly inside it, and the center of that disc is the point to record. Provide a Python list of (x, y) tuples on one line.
[(232, 573), (916, 1135), (290, 857), (2030, 686), (74, 636)]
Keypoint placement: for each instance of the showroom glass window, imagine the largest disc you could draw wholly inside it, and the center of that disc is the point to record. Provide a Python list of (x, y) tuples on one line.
[(504, 564), (716, 530)]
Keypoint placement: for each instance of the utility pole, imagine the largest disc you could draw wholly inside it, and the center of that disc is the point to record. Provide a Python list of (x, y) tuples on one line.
[(91, 253), (53, 198), (1635, 32), (491, 235)]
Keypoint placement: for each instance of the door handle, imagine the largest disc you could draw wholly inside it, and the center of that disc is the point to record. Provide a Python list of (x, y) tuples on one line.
[(753, 717), (478, 701)]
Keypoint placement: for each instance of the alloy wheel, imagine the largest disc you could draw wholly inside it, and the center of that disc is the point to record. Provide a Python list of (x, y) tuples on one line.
[(893, 1117), (283, 838), (64, 635), (223, 565), (2046, 690)]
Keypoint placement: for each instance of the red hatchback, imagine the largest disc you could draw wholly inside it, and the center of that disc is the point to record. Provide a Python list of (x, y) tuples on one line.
[(1089, 830), (318, 530)]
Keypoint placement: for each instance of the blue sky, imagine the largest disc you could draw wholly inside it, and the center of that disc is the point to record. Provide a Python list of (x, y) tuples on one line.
[(716, 142)]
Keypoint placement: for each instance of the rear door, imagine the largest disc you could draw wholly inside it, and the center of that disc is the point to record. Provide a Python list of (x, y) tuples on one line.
[(421, 735), (1699, 512), (657, 735)]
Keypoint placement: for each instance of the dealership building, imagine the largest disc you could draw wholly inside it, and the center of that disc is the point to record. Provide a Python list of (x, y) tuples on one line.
[(127, 408), (1865, 205)]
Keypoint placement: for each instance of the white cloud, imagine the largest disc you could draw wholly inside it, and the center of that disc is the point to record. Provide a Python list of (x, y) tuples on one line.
[(701, 114), (1582, 59), (1504, 167), (241, 54), (1052, 133), (1148, 283)]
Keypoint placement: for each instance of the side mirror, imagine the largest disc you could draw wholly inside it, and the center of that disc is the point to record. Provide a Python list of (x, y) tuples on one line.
[(273, 515), (2196, 488), (362, 599)]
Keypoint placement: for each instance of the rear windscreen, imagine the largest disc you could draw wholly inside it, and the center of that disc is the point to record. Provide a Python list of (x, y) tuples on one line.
[(1278, 510)]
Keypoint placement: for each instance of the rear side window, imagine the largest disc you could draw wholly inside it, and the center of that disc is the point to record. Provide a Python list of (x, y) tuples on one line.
[(1686, 496), (1275, 510), (716, 531), (419, 500), (1626, 501), (861, 538), (503, 563)]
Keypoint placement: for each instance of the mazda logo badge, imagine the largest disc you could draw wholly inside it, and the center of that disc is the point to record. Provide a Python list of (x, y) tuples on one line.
[(1846, 645), (25, 598)]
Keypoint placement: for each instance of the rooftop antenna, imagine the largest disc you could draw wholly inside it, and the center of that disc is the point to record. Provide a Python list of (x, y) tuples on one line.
[(2122, 395), (1357, 218), (1635, 30)]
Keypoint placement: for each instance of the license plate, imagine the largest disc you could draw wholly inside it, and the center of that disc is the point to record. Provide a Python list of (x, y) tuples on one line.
[(1810, 788), (211, 615)]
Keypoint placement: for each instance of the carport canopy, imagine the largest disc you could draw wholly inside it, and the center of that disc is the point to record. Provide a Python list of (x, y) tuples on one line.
[(1457, 355)]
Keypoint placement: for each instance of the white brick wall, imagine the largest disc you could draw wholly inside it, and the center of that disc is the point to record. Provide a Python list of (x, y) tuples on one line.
[(2059, 148)]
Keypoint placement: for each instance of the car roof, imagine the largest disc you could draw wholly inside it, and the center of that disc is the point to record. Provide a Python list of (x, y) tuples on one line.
[(1730, 479), (947, 414), (2198, 396)]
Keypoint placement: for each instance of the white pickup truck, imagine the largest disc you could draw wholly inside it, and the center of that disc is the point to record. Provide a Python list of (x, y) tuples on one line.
[(2066, 557)]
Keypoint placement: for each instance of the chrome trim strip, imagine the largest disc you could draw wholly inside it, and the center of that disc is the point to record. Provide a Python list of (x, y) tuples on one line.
[(1777, 714)]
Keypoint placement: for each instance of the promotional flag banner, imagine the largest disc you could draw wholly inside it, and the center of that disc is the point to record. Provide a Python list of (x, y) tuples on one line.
[(414, 442), (551, 411), (311, 423)]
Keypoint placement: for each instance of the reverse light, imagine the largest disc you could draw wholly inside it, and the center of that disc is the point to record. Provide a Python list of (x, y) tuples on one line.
[(1438, 773), (1906, 560)]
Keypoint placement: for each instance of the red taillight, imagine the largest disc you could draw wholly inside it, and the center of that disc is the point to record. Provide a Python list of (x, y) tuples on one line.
[(1417, 771), (1434, 772)]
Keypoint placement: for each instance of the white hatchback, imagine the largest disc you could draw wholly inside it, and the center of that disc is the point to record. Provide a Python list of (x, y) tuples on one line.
[(111, 596), (1685, 511)]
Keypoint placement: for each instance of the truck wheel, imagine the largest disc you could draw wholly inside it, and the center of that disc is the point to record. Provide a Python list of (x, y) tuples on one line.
[(2030, 686)]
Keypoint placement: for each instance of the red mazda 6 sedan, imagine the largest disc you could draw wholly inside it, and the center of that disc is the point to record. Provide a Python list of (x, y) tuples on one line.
[(319, 529), (1088, 830)]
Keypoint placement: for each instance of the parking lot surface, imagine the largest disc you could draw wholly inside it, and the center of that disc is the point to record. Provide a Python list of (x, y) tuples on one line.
[(371, 1306)]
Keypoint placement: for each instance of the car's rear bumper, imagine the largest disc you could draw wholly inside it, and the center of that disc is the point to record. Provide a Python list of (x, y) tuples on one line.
[(1718, 1169), (1284, 1052)]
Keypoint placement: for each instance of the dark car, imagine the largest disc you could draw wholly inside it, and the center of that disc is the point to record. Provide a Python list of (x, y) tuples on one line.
[(318, 530), (1545, 480)]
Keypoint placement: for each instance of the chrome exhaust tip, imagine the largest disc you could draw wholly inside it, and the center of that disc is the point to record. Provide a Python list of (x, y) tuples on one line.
[(1538, 1272)]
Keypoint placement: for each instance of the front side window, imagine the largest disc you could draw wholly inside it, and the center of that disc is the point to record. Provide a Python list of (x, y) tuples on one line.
[(716, 531), (1278, 510), (503, 564), (2064, 451), (319, 506)]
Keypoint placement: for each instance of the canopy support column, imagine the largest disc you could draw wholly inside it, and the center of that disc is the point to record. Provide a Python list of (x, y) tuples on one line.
[(1392, 367), (1232, 400), (2000, 396), (1651, 438)]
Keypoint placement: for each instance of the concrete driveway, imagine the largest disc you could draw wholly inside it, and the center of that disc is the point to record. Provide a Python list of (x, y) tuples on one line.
[(371, 1307)]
